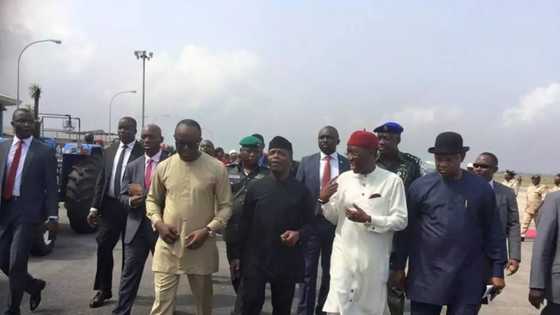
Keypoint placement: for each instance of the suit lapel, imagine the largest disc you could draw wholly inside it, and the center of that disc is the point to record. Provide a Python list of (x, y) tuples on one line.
[(110, 159), (28, 158), (317, 171), (136, 152), (5, 147)]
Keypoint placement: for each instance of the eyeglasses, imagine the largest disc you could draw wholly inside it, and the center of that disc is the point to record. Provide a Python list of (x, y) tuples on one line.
[(483, 166)]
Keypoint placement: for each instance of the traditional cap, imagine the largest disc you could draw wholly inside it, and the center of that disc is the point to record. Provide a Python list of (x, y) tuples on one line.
[(250, 141), (364, 139), (390, 127), (232, 152), (448, 142), (279, 142)]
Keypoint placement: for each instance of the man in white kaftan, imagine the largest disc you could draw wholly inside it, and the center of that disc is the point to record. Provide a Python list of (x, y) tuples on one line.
[(368, 207)]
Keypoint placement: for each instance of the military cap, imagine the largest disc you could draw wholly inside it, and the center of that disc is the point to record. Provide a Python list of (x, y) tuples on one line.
[(511, 172), (250, 141), (390, 127)]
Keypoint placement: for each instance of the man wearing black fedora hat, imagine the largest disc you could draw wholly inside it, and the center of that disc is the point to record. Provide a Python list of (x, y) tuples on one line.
[(453, 236)]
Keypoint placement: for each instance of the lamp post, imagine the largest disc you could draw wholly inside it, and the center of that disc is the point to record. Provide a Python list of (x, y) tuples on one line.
[(111, 105), (142, 54), (56, 41)]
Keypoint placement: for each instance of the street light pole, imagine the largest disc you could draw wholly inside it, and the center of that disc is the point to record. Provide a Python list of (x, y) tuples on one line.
[(144, 55), (111, 105), (56, 41)]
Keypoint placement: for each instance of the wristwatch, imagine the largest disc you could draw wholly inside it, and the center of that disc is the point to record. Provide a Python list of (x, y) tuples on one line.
[(210, 232)]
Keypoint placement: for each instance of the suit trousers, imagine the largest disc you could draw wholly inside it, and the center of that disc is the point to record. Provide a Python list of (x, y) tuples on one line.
[(316, 245), (111, 228), (417, 308), (253, 294), (15, 246), (551, 309), (165, 285), (135, 255)]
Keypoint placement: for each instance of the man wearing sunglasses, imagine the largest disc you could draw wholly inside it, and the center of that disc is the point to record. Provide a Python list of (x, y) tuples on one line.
[(486, 165), (189, 200)]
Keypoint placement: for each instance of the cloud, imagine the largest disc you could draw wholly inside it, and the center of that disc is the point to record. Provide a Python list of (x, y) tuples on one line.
[(421, 117), (200, 78), (534, 106)]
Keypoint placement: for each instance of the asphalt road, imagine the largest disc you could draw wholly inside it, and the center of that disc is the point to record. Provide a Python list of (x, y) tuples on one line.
[(70, 269)]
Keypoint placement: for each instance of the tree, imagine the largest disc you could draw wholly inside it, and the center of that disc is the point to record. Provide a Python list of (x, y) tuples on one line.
[(35, 92)]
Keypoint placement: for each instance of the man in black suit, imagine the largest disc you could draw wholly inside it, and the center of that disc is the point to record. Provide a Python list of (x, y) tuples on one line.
[(107, 207), (315, 171), (139, 237), (29, 198)]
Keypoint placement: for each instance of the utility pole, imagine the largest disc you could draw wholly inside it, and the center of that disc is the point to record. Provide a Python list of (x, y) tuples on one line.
[(142, 54)]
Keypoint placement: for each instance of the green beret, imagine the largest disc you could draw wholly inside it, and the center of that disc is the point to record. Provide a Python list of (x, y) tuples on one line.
[(250, 141)]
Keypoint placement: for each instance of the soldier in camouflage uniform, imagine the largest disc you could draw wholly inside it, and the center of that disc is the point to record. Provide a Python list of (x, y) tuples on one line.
[(241, 174), (409, 168)]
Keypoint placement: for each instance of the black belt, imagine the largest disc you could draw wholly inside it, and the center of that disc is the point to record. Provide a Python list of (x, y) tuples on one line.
[(14, 198)]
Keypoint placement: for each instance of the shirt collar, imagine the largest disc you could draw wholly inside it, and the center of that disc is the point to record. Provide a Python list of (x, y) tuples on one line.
[(334, 156), (154, 158), (26, 141), (129, 146), (491, 182)]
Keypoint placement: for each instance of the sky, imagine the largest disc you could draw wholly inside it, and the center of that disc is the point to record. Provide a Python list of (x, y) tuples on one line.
[(486, 69)]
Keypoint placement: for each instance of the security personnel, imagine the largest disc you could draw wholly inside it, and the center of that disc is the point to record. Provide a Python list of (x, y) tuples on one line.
[(240, 175), (409, 168)]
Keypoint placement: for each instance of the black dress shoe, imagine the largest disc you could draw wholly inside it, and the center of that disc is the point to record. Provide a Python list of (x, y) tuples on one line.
[(35, 298), (10, 312), (99, 298)]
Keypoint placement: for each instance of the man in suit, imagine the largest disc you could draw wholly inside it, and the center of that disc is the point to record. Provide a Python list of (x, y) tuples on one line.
[(486, 165), (29, 198), (545, 263), (315, 171), (107, 207), (139, 236)]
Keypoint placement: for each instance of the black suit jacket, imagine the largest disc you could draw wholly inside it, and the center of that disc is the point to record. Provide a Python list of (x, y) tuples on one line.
[(309, 173), (104, 178), (38, 190), (135, 174)]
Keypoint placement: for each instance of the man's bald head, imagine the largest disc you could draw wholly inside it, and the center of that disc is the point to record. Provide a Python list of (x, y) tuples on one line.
[(151, 135), (328, 139)]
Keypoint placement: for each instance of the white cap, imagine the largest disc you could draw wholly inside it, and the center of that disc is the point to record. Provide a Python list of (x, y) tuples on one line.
[(232, 151)]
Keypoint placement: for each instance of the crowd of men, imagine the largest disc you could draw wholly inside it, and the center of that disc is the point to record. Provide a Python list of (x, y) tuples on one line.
[(380, 227)]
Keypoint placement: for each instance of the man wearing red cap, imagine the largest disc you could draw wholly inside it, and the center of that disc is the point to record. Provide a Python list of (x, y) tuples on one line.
[(367, 205)]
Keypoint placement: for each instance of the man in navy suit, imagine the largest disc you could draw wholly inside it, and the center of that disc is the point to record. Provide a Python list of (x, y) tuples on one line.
[(316, 171), (29, 198), (107, 206), (139, 236)]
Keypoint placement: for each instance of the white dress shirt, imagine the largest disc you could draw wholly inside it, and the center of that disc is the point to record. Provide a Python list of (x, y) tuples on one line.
[(26, 144), (334, 165), (155, 162), (127, 153)]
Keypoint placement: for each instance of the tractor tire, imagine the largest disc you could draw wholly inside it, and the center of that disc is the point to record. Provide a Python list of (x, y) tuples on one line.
[(43, 241), (80, 189)]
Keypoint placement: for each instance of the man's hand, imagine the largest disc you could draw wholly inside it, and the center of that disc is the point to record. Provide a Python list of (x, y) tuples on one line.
[(397, 279), (357, 214), (196, 238), (52, 226), (168, 233), (328, 190), (498, 283), (536, 297), (235, 269), (290, 238), (136, 201), (512, 266), (92, 218)]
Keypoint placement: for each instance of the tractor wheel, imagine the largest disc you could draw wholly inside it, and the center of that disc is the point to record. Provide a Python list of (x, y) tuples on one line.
[(80, 189), (43, 241)]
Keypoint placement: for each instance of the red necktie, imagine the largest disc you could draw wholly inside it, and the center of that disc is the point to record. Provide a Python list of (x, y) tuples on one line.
[(326, 172), (12, 172), (148, 175)]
